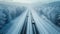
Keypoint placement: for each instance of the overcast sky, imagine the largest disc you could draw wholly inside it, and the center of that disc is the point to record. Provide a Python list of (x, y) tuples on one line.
[(30, 1)]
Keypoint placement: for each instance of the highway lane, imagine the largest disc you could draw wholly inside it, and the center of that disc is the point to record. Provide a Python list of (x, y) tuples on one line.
[(24, 27), (17, 24), (44, 26), (29, 25), (34, 27)]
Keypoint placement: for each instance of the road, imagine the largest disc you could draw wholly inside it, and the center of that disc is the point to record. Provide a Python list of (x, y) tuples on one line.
[(44, 25), (29, 22)]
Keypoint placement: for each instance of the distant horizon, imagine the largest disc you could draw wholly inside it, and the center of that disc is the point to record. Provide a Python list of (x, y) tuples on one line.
[(30, 1)]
